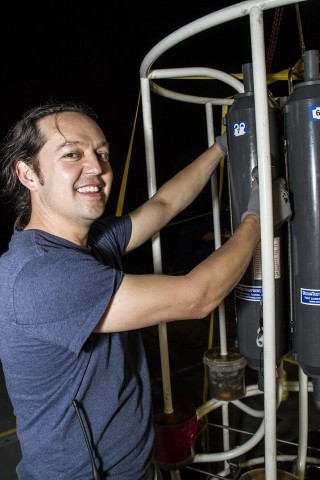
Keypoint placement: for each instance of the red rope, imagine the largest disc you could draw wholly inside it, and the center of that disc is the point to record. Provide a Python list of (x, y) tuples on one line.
[(273, 37)]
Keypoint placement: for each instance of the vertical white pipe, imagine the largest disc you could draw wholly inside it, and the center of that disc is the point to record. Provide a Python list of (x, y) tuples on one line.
[(175, 475), (148, 135), (225, 431), (156, 246), (265, 183), (303, 425), (217, 243), (216, 225)]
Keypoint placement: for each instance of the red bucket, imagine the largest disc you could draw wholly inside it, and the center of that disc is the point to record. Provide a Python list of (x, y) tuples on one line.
[(174, 444)]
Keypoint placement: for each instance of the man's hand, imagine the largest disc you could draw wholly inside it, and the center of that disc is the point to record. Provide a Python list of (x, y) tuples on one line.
[(254, 201), (280, 200), (222, 141)]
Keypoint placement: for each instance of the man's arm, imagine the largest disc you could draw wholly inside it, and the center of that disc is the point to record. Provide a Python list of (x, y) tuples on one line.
[(174, 196), (145, 300)]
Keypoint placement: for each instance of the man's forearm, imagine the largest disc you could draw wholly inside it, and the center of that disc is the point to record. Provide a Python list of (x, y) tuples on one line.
[(185, 186), (173, 197), (225, 267)]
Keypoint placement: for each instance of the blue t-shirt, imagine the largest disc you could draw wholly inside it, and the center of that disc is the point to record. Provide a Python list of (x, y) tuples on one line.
[(52, 294)]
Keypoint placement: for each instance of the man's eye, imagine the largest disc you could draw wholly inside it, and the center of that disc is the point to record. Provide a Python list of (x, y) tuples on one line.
[(103, 156), (72, 155)]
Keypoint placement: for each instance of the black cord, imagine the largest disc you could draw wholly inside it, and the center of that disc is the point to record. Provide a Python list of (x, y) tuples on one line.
[(96, 474)]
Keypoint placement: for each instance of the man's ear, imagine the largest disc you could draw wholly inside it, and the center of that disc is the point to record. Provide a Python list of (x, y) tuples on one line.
[(26, 175)]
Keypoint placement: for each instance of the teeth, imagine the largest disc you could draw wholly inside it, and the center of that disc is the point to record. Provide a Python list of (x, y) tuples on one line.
[(90, 189)]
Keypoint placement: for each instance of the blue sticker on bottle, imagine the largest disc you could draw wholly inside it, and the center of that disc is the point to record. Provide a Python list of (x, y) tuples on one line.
[(239, 129), (250, 293), (310, 296), (315, 114)]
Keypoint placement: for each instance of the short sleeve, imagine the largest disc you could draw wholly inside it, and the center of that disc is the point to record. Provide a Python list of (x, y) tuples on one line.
[(61, 297), (109, 237)]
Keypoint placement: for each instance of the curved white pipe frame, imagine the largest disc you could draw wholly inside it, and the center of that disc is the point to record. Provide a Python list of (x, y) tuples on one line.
[(252, 390), (254, 9), (224, 15), (245, 447), (191, 72), (260, 461), (213, 404), (182, 97), (235, 452), (249, 410)]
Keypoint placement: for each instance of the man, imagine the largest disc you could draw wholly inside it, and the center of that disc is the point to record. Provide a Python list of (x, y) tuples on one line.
[(70, 344)]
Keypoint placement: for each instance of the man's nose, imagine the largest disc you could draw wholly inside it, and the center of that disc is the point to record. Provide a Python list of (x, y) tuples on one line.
[(92, 165)]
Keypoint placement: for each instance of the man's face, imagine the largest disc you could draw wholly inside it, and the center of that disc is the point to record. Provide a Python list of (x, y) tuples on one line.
[(75, 172)]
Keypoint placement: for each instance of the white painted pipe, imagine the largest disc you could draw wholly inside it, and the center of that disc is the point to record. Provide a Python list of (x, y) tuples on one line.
[(234, 453), (198, 72), (224, 15), (156, 245), (183, 97), (260, 461), (303, 425), (266, 216), (175, 474), (216, 226), (217, 242)]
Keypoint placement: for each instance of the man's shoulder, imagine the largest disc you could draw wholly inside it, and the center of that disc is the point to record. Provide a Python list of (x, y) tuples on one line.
[(34, 251)]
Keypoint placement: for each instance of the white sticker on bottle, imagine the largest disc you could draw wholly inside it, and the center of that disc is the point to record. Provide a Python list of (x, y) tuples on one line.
[(250, 293), (310, 296), (315, 113), (257, 261), (240, 129)]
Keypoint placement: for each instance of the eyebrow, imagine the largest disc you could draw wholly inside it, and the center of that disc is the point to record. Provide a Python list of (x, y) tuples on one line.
[(73, 143)]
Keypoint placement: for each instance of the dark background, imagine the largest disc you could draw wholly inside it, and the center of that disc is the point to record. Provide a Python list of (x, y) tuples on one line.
[(92, 51)]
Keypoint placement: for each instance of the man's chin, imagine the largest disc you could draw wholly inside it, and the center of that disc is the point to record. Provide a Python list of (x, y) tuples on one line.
[(91, 215)]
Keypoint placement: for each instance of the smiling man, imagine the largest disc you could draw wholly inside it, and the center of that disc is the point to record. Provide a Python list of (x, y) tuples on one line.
[(70, 317), (75, 180)]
